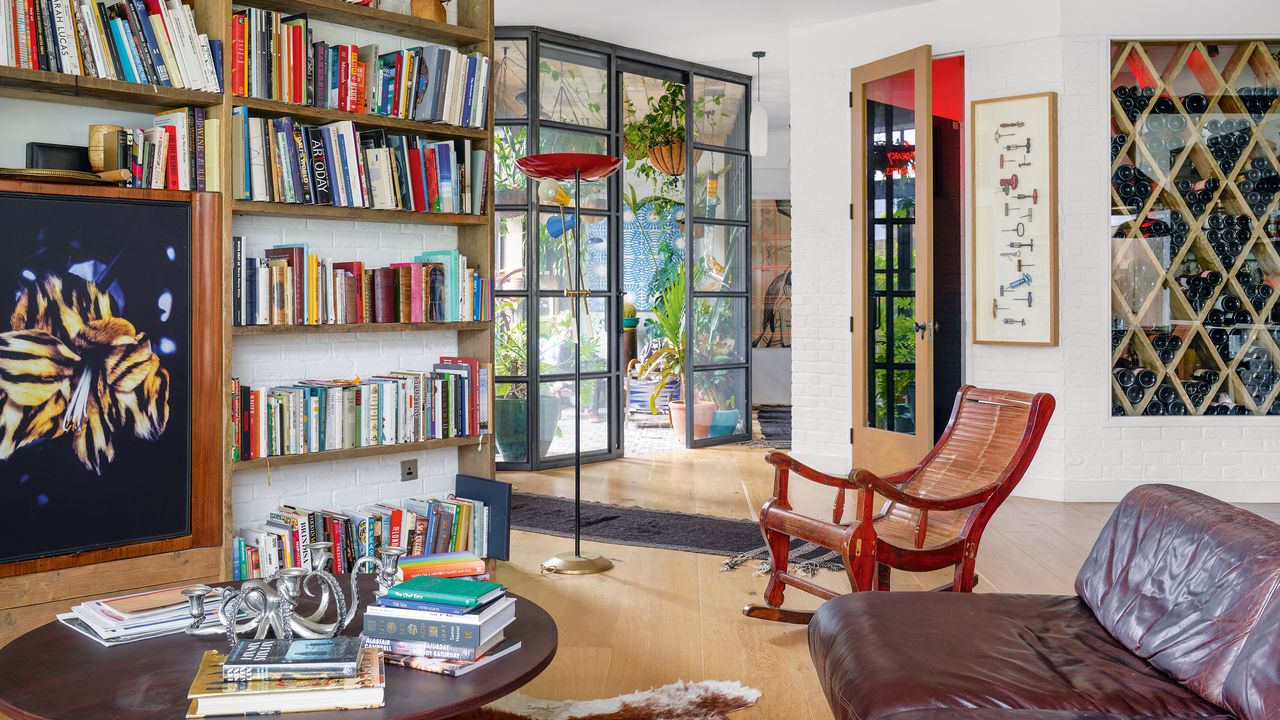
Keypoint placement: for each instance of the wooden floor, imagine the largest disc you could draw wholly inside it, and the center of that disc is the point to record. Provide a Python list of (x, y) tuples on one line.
[(662, 616)]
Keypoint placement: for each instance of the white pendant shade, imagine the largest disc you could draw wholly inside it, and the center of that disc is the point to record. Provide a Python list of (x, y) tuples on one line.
[(759, 130)]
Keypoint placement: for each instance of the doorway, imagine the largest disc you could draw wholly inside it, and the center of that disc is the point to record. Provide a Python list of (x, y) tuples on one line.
[(907, 130)]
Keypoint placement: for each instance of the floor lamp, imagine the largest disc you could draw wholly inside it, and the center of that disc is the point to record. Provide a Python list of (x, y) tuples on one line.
[(550, 169)]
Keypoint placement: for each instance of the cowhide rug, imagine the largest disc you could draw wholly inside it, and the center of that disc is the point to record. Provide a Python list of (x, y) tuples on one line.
[(707, 700)]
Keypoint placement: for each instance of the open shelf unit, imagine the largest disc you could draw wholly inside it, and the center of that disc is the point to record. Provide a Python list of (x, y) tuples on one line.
[(1195, 174), (30, 600)]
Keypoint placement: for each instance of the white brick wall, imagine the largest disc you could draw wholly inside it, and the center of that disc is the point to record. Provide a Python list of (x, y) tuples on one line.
[(1086, 454)]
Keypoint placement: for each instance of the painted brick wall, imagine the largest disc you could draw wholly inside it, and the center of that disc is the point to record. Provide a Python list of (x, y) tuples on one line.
[(261, 360), (1086, 455)]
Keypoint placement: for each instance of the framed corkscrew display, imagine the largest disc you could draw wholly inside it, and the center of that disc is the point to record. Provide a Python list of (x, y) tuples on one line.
[(1195, 183), (1014, 150)]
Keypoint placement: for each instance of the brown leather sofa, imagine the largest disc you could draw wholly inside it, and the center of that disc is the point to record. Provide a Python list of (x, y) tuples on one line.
[(1177, 615)]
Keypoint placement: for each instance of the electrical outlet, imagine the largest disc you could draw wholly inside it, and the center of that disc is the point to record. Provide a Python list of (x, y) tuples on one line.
[(408, 470)]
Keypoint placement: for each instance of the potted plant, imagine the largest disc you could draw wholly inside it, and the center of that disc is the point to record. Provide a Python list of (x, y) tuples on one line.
[(668, 361), (658, 135), (511, 408)]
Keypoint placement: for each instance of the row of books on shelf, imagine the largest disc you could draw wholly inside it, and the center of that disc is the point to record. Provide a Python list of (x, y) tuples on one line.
[(444, 535), (282, 160), (287, 285), (181, 151), (142, 41), (275, 57), (404, 406)]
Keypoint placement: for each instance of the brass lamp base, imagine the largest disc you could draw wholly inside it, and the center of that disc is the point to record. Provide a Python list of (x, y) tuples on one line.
[(567, 563)]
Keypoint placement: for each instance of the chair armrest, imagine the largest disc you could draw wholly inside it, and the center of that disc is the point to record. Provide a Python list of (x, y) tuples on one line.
[(889, 487)]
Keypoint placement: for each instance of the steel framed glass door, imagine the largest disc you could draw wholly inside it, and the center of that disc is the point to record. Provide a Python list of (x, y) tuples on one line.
[(891, 108)]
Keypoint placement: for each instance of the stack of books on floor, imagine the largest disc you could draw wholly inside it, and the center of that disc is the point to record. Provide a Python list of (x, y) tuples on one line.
[(288, 285), (275, 57), (286, 161), (449, 626), (445, 536), (404, 406), (181, 151), (141, 41), (139, 616), (266, 677)]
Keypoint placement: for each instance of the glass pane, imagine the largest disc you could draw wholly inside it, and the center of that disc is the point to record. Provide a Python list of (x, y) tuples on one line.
[(725, 390), (556, 420), (555, 335), (771, 273), (719, 186), (510, 337), (890, 143), (595, 195), (509, 248), (719, 330), (573, 87), (510, 79), (511, 407), (510, 144), (720, 258), (719, 113), (555, 245)]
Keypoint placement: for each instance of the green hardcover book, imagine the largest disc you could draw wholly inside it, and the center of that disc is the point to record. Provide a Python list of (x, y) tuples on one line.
[(450, 591)]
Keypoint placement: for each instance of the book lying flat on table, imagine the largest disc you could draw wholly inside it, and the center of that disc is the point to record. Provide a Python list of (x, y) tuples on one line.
[(275, 659), (211, 695)]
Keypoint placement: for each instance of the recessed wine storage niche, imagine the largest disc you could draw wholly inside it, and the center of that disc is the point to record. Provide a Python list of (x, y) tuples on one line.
[(1195, 326)]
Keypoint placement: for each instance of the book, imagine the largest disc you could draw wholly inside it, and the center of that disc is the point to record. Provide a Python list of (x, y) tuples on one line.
[(277, 659), (453, 591), (211, 695), (453, 668)]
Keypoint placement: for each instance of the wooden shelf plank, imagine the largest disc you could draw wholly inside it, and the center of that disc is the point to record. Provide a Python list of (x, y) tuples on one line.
[(308, 114), (250, 330), (97, 92), (367, 18), (251, 207), (351, 453)]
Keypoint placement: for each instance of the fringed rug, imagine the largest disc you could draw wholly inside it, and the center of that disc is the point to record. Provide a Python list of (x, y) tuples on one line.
[(707, 700), (738, 540)]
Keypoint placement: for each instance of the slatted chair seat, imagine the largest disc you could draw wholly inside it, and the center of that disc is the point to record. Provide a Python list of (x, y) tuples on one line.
[(933, 514)]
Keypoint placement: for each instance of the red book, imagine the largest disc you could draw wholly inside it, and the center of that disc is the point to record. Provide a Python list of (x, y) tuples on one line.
[(416, 180), (354, 305), (473, 379), (433, 180), (239, 26), (344, 75), (171, 159), (384, 295)]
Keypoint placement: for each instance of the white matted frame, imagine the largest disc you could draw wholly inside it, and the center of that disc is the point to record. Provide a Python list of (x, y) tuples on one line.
[(1014, 190)]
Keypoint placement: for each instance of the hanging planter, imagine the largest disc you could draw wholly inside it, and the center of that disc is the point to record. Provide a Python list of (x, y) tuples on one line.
[(668, 159)]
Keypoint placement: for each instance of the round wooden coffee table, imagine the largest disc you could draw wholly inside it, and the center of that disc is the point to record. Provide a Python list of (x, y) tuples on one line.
[(55, 672)]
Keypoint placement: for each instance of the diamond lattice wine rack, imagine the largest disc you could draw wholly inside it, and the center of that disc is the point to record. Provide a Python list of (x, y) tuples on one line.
[(1194, 190)]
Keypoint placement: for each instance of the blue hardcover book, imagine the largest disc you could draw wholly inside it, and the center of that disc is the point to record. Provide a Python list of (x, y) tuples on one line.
[(153, 49)]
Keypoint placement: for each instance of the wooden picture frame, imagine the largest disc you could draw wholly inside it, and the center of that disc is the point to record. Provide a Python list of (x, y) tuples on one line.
[(1013, 146), (208, 421)]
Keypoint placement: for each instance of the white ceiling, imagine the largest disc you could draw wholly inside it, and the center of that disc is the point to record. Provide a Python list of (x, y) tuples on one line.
[(719, 33)]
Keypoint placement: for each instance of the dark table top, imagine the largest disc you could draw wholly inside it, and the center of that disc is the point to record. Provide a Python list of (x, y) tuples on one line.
[(55, 672)]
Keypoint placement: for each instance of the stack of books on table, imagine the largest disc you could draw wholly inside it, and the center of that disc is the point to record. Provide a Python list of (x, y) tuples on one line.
[(449, 626), (140, 616), (266, 677)]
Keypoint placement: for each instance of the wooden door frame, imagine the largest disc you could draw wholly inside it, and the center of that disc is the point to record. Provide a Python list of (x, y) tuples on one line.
[(920, 61)]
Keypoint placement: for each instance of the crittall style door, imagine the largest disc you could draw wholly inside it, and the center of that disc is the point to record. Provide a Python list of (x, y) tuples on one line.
[(891, 107)]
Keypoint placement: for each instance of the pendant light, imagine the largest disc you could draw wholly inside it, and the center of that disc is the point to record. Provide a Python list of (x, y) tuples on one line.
[(759, 117)]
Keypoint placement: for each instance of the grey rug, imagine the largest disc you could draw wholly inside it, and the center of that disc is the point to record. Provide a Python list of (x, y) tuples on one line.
[(738, 540)]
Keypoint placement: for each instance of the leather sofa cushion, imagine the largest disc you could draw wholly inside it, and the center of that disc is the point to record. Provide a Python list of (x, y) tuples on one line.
[(880, 653), (1179, 579)]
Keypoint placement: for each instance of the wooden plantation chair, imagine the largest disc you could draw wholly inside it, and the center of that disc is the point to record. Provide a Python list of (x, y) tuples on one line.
[(934, 513)]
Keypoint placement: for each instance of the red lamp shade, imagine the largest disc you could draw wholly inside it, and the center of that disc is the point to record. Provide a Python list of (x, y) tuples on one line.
[(564, 166)]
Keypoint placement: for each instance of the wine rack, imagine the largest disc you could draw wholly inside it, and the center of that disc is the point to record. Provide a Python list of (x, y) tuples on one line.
[(1195, 185)]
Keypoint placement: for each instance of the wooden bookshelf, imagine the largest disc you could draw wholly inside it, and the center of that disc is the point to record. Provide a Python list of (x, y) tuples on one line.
[(97, 92), (298, 210), (344, 328), (363, 17), (275, 108), (352, 453)]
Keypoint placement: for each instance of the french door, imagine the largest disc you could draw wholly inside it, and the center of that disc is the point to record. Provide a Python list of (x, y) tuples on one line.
[(893, 328)]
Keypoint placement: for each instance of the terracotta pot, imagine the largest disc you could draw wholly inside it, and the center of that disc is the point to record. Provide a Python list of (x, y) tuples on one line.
[(668, 159), (703, 411)]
